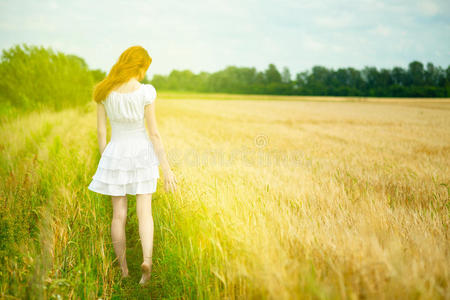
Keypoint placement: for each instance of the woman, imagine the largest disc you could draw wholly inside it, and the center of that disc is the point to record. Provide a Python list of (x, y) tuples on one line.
[(129, 163)]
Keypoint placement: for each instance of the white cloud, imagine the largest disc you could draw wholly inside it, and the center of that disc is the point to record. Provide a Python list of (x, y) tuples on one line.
[(429, 8), (382, 30), (310, 43), (341, 20)]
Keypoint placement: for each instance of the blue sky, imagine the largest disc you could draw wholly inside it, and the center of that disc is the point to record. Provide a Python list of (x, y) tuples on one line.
[(210, 35)]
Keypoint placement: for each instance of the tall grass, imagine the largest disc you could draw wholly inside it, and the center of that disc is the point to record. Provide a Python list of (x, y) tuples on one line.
[(277, 200)]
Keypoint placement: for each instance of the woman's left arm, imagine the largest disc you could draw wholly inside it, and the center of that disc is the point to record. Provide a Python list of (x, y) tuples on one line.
[(101, 127)]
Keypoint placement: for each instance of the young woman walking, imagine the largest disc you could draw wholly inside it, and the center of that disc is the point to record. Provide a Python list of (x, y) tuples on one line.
[(129, 163)]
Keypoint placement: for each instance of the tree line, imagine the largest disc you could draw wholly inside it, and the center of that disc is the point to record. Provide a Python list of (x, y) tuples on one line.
[(35, 77), (416, 80)]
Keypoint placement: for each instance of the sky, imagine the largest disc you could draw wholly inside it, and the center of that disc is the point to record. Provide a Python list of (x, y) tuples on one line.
[(211, 35)]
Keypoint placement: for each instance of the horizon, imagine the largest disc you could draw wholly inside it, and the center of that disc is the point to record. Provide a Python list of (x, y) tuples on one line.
[(280, 69)]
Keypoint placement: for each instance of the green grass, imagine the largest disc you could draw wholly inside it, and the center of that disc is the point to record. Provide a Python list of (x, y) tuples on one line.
[(55, 233)]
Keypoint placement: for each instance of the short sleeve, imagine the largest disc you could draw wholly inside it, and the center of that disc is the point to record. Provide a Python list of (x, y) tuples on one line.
[(149, 94)]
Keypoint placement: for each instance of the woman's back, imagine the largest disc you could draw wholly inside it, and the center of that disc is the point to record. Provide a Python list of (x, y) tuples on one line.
[(129, 107)]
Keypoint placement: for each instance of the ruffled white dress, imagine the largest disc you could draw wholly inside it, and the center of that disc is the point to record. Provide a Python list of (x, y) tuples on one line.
[(129, 164)]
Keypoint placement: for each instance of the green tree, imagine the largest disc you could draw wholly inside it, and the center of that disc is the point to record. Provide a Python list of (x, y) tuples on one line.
[(286, 75), (35, 77), (272, 75), (416, 73)]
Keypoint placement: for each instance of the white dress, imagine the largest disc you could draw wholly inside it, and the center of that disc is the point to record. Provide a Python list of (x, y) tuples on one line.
[(129, 164)]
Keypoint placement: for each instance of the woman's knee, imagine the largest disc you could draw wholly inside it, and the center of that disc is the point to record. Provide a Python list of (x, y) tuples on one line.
[(120, 215), (144, 205), (119, 208), (143, 200)]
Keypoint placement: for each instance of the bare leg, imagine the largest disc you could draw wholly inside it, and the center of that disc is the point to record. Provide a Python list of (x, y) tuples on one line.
[(118, 231), (145, 218)]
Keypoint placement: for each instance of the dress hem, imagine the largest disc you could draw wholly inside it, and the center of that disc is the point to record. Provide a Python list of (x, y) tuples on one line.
[(94, 188), (98, 192)]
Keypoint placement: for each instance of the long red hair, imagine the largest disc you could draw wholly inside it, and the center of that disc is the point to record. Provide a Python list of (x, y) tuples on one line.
[(132, 62)]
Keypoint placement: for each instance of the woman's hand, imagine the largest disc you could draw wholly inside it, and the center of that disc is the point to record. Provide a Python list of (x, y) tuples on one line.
[(170, 181)]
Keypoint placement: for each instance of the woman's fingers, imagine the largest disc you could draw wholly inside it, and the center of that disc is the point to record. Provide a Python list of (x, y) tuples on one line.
[(171, 183), (175, 186), (169, 186)]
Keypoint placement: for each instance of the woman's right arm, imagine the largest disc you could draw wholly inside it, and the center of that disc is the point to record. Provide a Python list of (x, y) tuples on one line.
[(170, 182)]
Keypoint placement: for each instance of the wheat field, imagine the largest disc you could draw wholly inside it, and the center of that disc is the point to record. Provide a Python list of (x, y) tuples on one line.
[(280, 199)]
